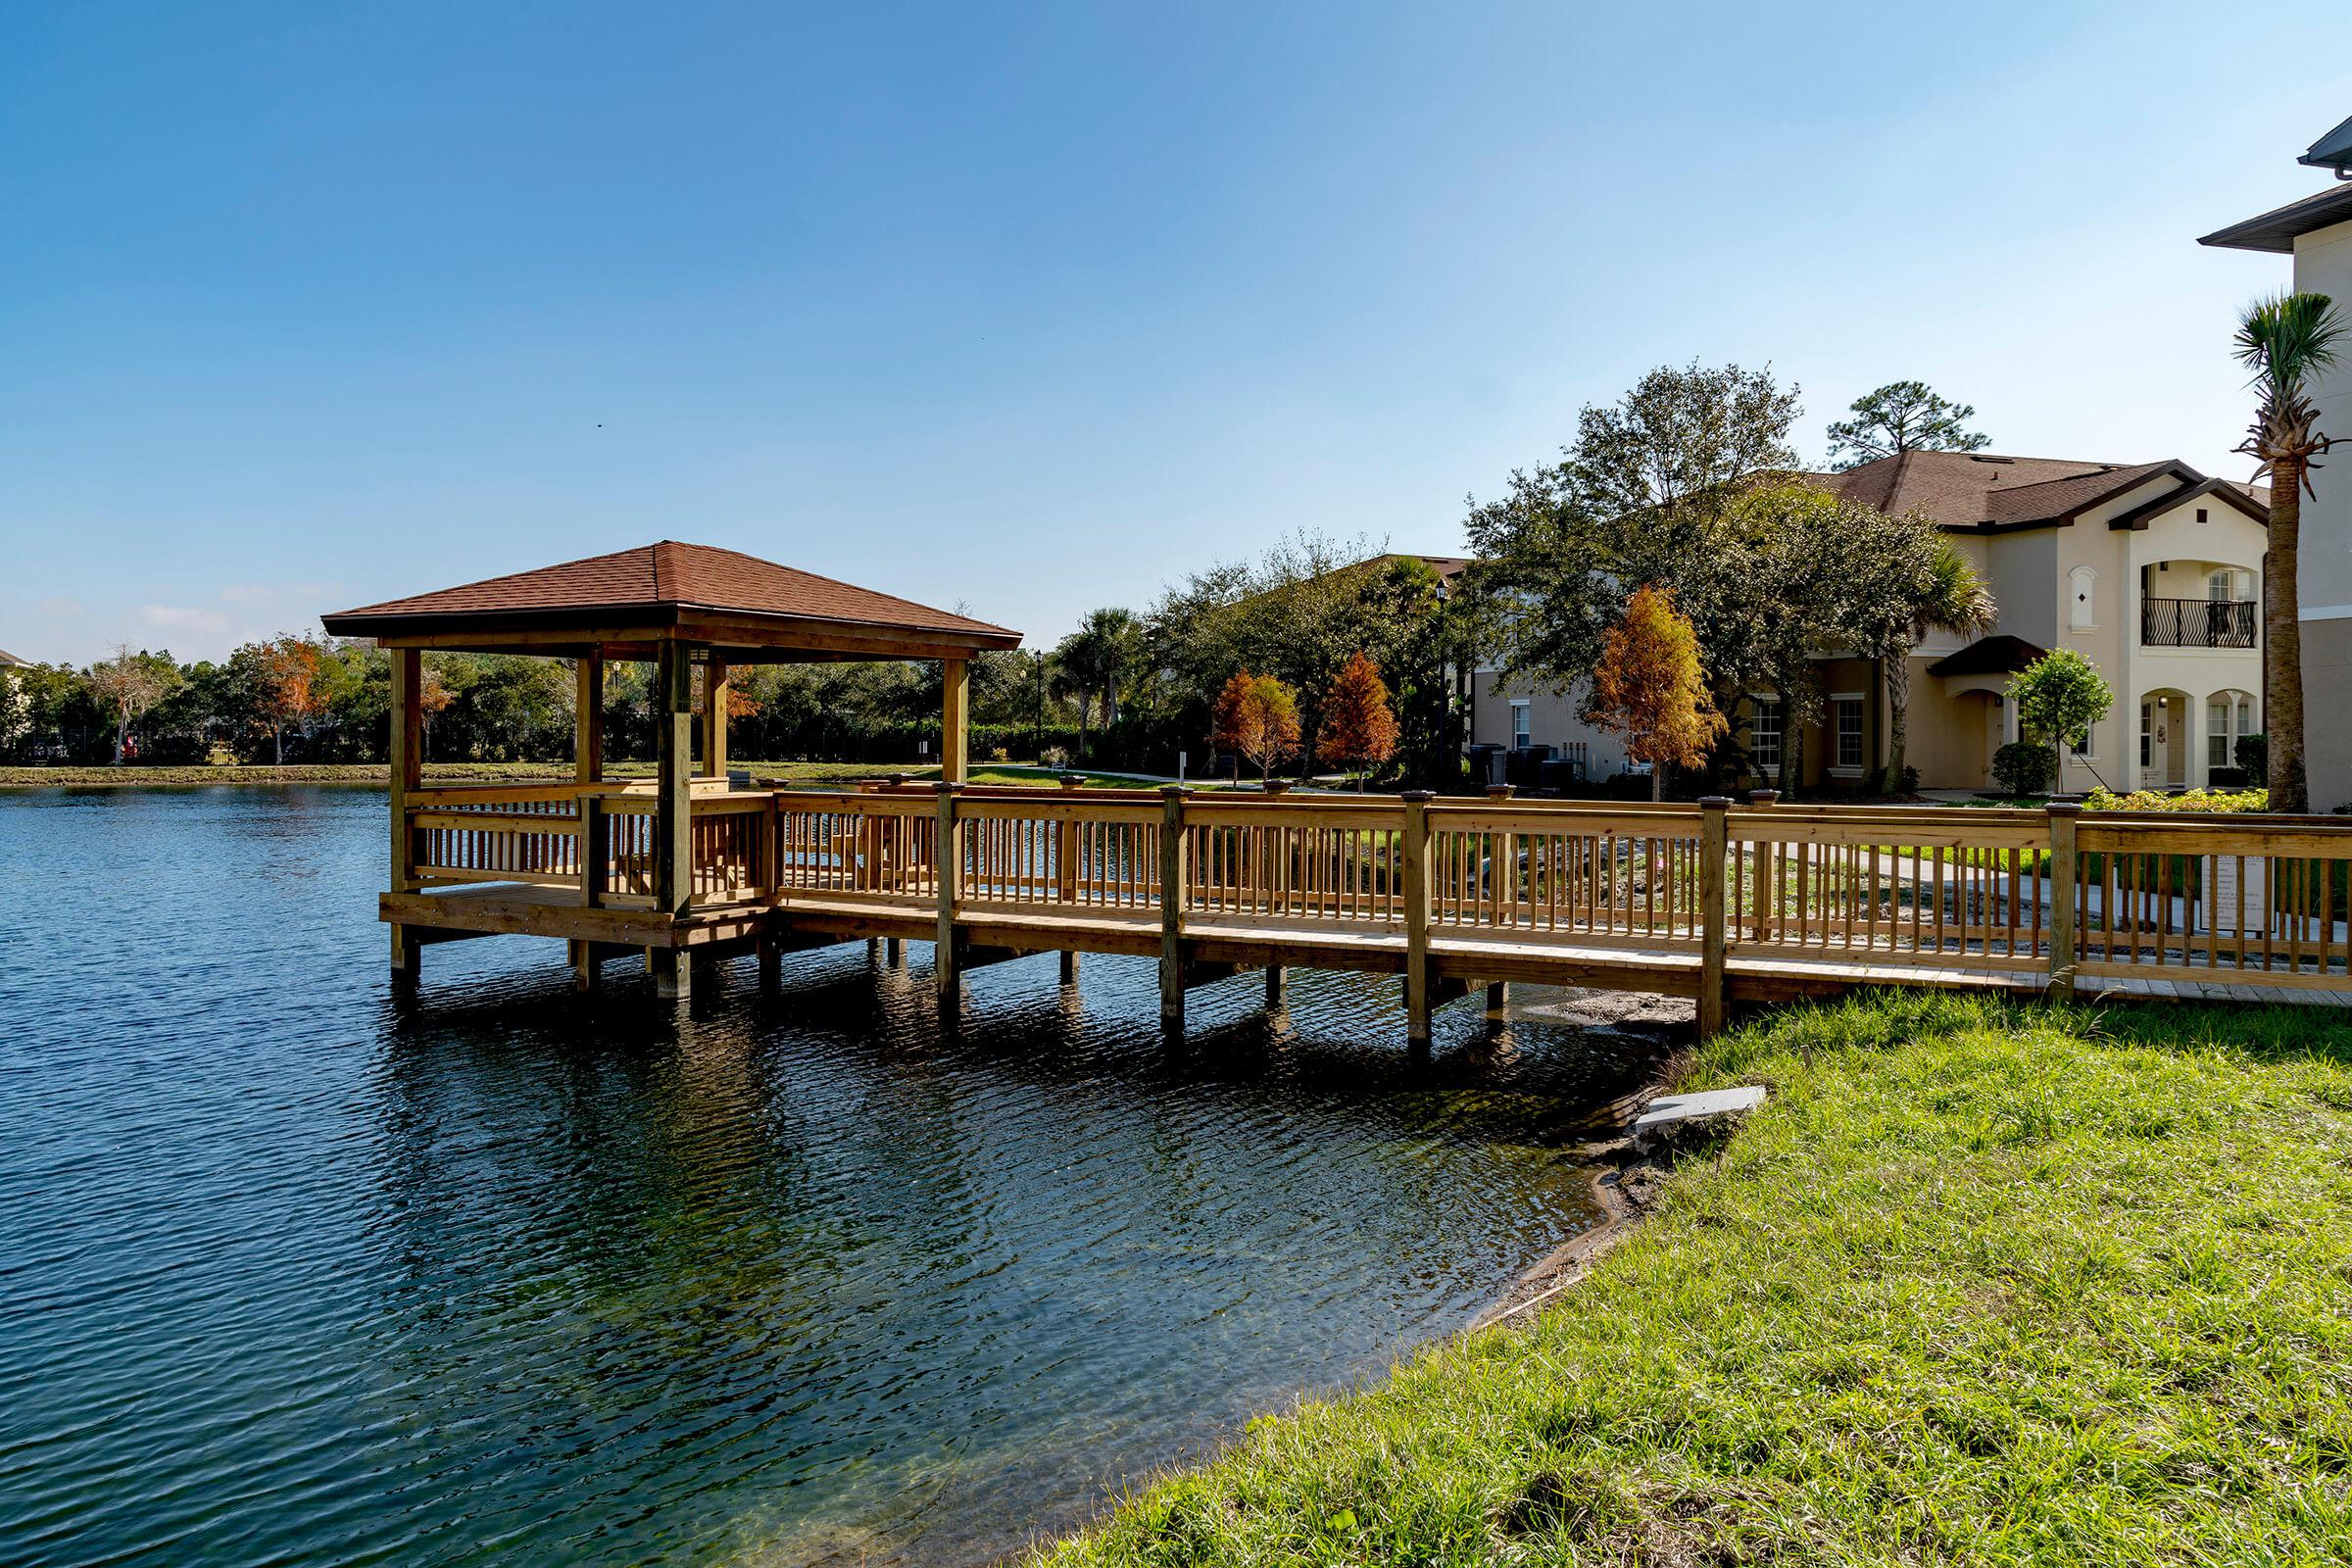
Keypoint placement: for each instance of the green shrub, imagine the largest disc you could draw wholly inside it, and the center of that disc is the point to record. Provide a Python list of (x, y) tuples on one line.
[(2254, 755), (2217, 800), (2023, 767)]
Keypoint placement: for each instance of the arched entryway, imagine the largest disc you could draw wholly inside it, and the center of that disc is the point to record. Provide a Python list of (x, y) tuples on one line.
[(2164, 756), (2230, 717)]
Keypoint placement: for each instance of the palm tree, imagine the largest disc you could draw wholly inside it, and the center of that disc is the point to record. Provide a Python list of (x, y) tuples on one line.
[(1094, 661), (1952, 599), (2285, 340)]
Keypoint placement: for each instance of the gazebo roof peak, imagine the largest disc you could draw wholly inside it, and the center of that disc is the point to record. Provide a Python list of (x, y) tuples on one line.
[(666, 587)]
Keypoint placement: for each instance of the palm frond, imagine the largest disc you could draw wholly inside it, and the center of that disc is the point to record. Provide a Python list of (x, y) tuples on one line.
[(2285, 339)]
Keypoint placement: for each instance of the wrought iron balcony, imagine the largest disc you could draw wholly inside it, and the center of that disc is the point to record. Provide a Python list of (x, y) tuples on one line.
[(2197, 623)]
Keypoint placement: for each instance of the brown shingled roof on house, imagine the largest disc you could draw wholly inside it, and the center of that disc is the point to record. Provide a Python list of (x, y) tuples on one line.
[(657, 580), (1978, 491)]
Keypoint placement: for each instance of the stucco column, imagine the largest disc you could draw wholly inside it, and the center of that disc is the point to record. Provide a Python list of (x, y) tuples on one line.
[(2193, 765)]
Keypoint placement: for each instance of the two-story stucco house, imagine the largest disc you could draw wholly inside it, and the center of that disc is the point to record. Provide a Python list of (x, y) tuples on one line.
[(2316, 232), (2151, 570)]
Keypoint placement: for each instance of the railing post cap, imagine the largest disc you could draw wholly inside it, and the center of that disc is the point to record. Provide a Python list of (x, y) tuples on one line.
[(1716, 802), (1418, 796), (1762, 796), (950, 786), (1069, 782), (2058, 807), (1174, 792), (1500, 792)]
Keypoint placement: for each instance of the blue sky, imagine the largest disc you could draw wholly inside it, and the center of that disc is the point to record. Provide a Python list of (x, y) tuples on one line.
[(1028, 310)]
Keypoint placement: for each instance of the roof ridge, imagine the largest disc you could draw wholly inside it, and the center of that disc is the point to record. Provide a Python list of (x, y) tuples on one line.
[(2096, 470)]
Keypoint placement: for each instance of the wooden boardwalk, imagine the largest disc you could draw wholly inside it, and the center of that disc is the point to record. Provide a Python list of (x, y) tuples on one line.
[(1721, 904)]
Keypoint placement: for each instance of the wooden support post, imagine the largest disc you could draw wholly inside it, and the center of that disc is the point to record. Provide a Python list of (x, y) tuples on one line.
[(674, 808), (1714, 995), (714, 720), (406, 772), (588, 718), (1069, 966), (1762, 894), (1498, 995), (1277, 987), (894, 953), (2063, 864), (771, 958), (955, 723), (1171, 907), (950, 873), (1415, 854)]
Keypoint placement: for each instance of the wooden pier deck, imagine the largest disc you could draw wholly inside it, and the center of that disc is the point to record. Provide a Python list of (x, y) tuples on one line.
[(1715, 901), (1721, 904)]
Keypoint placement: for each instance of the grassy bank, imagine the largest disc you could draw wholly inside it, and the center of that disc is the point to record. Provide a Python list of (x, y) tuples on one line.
[(1980, 1285), (816, 775)]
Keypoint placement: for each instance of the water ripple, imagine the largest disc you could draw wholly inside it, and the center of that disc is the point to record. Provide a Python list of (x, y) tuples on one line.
[(292, 1272)]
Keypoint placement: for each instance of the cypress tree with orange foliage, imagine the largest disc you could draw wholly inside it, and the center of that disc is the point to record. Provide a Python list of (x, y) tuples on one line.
[(1649, 688), (1358, 728), (1225, 718)]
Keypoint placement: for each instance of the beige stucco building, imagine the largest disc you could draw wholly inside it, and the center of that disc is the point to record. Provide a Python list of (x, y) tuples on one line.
[(2316, 232), (2151, 570)]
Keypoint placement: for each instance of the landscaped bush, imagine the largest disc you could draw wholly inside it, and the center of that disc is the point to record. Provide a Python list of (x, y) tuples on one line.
[(2253, 754), (2218, 801), (2023, 767)]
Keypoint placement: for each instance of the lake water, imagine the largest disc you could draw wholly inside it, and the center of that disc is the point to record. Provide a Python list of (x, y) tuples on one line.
[(291, 1272)]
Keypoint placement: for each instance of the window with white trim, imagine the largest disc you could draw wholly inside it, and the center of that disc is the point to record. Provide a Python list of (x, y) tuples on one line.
[(2228, 718), (1845, 713), (1522, 726), (1764, 734)]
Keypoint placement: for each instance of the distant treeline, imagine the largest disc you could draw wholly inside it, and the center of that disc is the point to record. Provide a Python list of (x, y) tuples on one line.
[(1126, 690)]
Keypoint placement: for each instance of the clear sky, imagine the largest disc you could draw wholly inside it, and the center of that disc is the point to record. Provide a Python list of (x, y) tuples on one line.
[(305, 306)]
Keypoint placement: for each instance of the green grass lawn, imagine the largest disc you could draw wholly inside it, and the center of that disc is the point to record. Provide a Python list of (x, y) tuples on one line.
[(1980, 1284)]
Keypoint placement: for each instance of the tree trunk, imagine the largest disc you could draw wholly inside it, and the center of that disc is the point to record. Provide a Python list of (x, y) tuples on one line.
[(1898, 703), (121, 733), (277, 745), (2282, 643), (1657, 781)]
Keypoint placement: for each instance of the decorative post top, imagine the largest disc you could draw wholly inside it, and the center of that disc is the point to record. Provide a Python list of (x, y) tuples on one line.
[(1500, 792), (1715, 803), (1174, 792), (2064, 808), (1418, 796), (949, 785), (1762, 796), (1070, 781)]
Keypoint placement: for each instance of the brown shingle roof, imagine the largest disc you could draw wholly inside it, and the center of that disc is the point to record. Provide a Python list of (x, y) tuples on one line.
[(1981, 490), (666, 578)]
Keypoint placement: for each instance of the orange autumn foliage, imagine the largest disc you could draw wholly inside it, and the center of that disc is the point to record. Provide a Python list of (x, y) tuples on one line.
[(1257, 717), (1649, 687), (1359, 728)]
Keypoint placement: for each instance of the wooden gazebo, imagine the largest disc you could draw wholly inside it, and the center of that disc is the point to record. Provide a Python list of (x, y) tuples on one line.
[(675, 606)]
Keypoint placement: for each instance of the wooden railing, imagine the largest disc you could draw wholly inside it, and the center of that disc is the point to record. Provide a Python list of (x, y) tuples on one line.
[(1889, 891)]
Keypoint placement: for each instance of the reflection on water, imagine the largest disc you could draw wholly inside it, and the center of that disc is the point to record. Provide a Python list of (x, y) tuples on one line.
[(289, 1272)]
